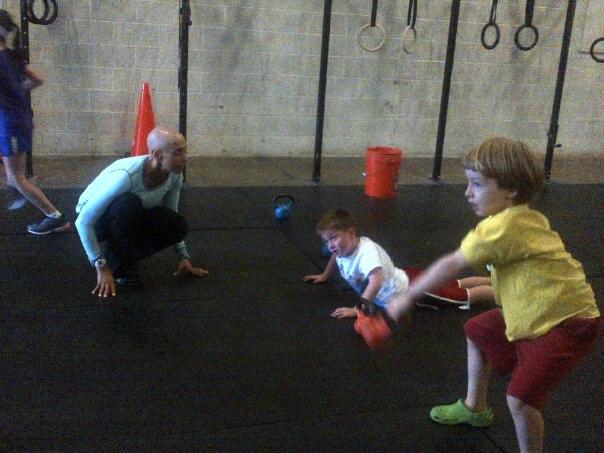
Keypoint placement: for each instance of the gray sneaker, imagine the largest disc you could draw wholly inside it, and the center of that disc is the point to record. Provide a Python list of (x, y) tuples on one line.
[(50, 225)]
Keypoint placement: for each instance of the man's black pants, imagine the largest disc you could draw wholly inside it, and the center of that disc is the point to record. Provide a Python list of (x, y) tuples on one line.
[(133, 233)]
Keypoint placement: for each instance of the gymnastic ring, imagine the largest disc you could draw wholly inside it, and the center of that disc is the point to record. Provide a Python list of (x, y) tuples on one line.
[(44, 19), (484, 32), (517, 37), (592, 50), (379, 46), (32, 15), (409, 28), (55, 12)]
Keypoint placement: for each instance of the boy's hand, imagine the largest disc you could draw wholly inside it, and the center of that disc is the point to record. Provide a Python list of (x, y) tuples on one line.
[(344, 312), (315, 278)]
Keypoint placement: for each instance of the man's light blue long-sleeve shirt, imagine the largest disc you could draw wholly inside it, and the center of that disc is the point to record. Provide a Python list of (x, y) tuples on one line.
[(123, 176)]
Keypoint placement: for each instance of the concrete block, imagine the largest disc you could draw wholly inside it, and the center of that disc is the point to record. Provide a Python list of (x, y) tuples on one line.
[(154, 57), (75, 9), (115, 10), (66, 99), (111, 56)]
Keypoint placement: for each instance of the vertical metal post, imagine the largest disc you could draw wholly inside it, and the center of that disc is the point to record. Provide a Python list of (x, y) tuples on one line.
[(183, 48), (24, 31), (316, 173), (552, 135), (444, 98), (184, 22), (29, 164)]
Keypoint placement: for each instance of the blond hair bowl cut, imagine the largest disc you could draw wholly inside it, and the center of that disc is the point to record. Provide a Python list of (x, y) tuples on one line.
[(510, 163)]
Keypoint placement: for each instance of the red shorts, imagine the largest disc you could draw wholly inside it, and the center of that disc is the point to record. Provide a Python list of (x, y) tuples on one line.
[(538, 364)]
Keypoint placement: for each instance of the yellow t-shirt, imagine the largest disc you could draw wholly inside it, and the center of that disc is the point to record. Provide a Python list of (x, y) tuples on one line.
[(536, 281)]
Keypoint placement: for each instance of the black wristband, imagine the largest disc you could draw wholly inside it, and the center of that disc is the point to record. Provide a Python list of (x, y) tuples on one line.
[(366, 306)]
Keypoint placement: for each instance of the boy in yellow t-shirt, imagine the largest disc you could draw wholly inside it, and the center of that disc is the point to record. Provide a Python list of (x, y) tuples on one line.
[(548, 319)]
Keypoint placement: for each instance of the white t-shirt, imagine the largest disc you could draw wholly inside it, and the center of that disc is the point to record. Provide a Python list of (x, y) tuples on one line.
[(368, 256)]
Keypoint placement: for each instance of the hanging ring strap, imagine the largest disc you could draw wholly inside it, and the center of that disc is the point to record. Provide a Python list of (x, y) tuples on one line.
[(44, 19), (366, 306), (185, 12), (412, 13), (528, 23), (373, 24), (374, 6), (491, 23), (410, 28), (592, 50)]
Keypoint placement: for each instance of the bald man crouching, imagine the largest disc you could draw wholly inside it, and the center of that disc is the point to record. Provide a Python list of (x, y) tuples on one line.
[(132, 205)]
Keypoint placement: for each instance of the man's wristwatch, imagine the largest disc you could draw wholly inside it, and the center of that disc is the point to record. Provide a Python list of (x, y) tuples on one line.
[(100, 263)]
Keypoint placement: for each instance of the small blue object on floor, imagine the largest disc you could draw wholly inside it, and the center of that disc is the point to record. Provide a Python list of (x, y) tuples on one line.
[(284, 206)]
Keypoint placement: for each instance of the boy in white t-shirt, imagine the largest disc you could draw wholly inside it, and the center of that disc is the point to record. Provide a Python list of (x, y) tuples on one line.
[(369, 270)]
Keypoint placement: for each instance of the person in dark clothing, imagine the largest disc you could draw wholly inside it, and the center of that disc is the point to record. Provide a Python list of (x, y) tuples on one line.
[(16, 127)]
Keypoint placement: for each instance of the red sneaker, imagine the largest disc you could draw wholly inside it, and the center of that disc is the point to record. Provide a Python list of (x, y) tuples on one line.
[(412, 272), (452, 293)]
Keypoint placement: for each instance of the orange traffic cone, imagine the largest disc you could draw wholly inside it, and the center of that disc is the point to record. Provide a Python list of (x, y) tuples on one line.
[(145, 122)]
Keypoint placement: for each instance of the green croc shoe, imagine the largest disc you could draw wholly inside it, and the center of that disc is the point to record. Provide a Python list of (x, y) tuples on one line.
[(455, 414)]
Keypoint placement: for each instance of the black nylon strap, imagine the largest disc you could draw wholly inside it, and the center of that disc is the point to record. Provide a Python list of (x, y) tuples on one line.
[(374, 7), (528, 13), (528, 23), (366, 306), (493, 15), (491, 23), (412, 13)]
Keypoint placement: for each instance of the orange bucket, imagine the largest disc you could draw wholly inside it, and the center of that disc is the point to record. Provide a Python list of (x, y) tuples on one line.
[(381, 171)]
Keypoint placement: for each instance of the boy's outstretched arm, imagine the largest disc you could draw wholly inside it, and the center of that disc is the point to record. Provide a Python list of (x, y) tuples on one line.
[(376, 280), (331, 265), (441, 271)]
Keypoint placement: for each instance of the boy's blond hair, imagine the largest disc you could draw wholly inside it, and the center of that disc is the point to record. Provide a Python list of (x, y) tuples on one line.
[(337, 219), (510, 163)]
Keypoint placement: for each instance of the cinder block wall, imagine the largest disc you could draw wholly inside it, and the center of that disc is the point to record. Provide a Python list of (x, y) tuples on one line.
[(254, 68)]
